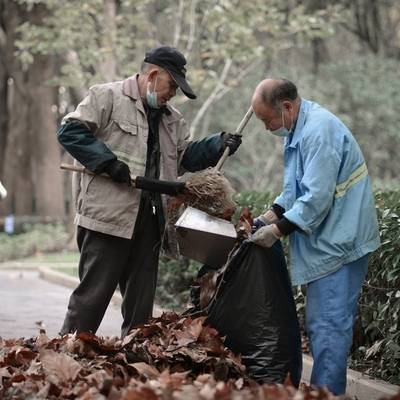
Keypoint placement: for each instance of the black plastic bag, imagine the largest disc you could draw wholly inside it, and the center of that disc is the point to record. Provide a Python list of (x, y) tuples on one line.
[(256, 311)]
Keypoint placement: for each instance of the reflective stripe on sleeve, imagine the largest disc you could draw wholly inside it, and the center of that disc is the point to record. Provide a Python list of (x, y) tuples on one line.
[(129, 159), (355, 177)]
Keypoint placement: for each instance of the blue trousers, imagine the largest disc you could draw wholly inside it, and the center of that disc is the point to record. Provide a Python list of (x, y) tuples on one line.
[(330, 314)]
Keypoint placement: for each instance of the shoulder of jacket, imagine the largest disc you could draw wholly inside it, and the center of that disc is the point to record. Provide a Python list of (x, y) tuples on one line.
[(106, 87), (174, 112)]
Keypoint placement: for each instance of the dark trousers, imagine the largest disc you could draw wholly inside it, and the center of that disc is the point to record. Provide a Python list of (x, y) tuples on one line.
[(107, 261)]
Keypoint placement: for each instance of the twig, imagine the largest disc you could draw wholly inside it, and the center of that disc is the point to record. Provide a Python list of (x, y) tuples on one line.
[(178, 26), (211, 98), (192, 25)]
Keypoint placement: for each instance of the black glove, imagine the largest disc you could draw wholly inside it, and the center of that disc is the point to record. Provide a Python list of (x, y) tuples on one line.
[(232, 141), (119, 172)]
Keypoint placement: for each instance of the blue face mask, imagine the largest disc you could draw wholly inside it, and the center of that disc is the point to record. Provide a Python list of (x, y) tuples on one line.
[(282, 131), (151, 96)]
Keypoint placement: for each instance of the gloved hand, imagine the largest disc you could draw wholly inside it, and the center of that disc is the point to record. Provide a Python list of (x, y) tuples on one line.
[(266, 236), (264, 219), (258, 223), (119, 172), (232, 141)]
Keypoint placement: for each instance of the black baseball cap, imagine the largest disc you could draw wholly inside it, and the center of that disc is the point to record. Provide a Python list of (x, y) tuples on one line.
[(174, 62)]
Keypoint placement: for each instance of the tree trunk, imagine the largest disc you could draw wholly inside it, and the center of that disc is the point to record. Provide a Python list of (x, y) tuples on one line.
[(3, 90), (32, 155), (46, 175)]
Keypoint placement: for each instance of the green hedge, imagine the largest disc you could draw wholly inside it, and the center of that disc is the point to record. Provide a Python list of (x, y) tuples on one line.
[(377, 337), (38, 238)]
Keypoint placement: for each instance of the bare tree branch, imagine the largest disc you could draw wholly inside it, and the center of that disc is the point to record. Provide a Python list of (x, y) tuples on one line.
[(178, 26), (211, 98), (109, 65), (192, 25)]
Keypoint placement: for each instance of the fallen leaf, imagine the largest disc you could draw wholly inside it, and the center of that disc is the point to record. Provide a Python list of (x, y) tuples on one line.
[(60, 365), (145, 369)]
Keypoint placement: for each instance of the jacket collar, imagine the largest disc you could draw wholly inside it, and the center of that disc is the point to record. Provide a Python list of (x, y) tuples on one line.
[(295, 137), (130, 88)]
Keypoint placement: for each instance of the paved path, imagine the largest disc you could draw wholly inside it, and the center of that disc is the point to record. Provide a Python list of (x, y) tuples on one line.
[(26, 299)]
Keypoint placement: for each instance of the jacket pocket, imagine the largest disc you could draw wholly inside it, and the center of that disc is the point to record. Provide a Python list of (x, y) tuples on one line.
[(127, 127), (125, 141), (124, 137)]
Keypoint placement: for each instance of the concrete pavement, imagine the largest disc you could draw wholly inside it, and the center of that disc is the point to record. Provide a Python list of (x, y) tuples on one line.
[(26, 300)]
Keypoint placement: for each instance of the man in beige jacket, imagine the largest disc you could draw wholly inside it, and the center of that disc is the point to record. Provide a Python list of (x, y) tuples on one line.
[(123, 128)]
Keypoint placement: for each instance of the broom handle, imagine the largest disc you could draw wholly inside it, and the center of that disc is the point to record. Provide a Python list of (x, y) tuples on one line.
[(239, 131), (83, 170)]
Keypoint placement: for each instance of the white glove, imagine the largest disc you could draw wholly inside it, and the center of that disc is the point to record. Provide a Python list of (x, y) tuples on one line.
[(266, 236), (264, 219), (270, 217)]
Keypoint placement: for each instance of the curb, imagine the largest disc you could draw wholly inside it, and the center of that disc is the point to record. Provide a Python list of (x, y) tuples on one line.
[(359, 386), (33, 265), (72, 282)]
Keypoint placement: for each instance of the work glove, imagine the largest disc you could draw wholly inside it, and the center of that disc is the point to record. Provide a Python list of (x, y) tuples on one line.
[(265, 219), (266, 236), (232, 141), (119, 172)]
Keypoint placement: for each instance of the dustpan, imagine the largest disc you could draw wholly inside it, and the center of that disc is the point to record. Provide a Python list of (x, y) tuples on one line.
[(205, 238)]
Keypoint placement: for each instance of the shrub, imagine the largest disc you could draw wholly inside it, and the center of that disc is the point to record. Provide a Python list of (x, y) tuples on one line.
[(377, 351), (36, 238)]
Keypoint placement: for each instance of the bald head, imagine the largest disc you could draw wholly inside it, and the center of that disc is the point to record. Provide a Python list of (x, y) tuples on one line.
[(272, 92), (276, 103)]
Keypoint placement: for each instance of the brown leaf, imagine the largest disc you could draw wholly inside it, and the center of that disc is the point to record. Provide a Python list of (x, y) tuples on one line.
[(143, 393), (175, 380), (4, 373), (184, 338), (61, 366), (97, 377), (145, 369), (42, 340), (211, 340), (196, 327), (208, 285)]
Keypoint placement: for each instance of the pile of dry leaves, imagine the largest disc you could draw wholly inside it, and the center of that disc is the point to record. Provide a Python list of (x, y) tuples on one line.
[(172, 357)]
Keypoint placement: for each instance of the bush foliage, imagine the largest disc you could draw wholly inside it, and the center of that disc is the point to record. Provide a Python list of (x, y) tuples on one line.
[(44, 238)]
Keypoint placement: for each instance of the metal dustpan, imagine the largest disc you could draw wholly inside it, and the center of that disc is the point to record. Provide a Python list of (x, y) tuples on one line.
[(205, 238)]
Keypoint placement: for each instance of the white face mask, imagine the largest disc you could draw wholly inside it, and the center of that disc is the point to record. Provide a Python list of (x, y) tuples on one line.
[(151, 96), (282, 131)]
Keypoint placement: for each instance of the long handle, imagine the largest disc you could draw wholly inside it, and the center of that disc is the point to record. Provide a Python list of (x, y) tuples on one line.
[(140, 182), (239, 131), (83, 170)]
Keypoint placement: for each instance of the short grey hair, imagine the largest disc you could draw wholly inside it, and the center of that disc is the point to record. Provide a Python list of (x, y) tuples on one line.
[(284, 90)]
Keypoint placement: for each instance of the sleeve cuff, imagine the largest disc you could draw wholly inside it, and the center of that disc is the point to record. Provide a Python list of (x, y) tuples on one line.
[(286, 227), (278, 210)]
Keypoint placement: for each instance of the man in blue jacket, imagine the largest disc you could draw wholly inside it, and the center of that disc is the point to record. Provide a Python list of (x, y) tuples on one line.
[(327, 209)]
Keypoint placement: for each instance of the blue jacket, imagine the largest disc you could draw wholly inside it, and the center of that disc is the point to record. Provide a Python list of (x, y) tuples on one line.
[(327, 194)]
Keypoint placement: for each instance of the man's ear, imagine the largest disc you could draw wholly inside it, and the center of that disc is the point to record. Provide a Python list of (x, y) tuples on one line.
[(287, 105), (151, 75)]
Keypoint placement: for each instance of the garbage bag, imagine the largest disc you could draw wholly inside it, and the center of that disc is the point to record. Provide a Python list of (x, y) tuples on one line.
[(256, 311)]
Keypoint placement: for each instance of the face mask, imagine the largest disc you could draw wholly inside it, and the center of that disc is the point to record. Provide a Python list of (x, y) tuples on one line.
[(151, 96), (282, 131)]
